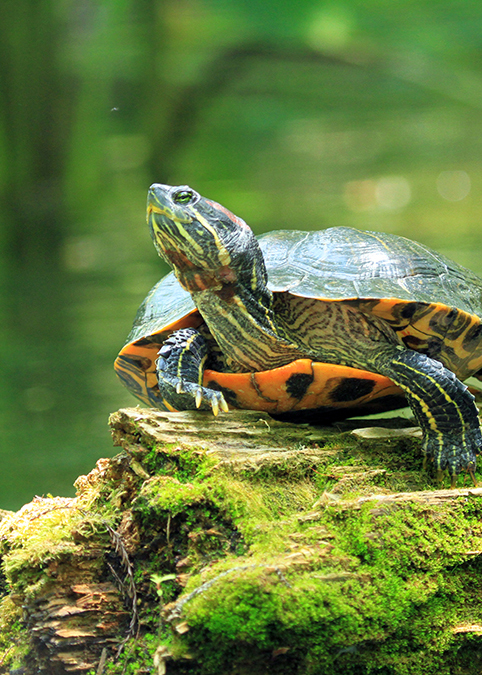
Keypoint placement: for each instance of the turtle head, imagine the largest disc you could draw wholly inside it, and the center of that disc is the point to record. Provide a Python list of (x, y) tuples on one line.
[(205, 244)]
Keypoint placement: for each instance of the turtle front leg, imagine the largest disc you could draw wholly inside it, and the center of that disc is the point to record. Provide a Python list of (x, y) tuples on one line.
[(442, 405), (180, 368)]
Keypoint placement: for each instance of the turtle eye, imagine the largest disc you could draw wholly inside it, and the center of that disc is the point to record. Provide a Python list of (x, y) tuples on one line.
[(183, 196)]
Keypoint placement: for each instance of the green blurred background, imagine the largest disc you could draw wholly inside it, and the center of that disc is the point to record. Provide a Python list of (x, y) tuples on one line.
[(292, 113)]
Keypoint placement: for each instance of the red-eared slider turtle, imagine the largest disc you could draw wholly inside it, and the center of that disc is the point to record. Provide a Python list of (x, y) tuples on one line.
[(339, 322)]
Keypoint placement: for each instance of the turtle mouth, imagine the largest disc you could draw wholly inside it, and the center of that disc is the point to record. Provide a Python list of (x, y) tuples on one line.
[(162, 211), (154, 208)]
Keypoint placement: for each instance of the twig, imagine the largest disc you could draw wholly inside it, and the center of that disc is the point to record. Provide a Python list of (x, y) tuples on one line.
[(131, 590), (176, 612), (6, 654), (103, 657), (282, 577)]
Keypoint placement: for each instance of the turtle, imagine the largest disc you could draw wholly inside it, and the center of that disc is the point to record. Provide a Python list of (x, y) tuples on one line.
[(330, 323)]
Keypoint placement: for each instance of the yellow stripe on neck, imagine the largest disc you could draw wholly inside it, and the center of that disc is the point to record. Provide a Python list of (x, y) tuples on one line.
[(223, 253)]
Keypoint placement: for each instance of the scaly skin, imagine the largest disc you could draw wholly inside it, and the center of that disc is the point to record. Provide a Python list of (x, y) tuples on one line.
[(442, 405), (180, 368)]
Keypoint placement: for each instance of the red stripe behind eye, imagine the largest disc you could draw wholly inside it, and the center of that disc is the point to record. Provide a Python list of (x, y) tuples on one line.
[(231, 216)]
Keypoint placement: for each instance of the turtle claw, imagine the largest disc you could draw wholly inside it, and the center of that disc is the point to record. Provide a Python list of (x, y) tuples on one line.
[(205, 398), (454, 476), (453, 479), (185, 395), (218, 402), (453, 456)]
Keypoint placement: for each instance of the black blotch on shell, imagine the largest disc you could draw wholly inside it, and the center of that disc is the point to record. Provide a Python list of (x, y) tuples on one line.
[(442, 319), (413, 342), (138, 362), (351, 389), (473, 334), (298, 383), (409, 310)]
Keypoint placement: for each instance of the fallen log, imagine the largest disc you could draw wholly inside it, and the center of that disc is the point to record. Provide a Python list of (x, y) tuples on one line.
[(241, 544)]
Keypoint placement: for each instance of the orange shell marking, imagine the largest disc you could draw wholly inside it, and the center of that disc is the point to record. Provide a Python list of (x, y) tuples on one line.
[(269, 390)]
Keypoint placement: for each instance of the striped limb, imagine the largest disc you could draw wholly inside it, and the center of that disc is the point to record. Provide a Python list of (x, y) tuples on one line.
[(442, 405), (180, 368)]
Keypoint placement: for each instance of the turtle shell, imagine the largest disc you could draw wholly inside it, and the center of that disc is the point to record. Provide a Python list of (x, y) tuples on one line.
[(434, 304)]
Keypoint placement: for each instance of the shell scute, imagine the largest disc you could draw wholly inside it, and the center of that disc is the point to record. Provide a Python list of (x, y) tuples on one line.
[(303, 385)]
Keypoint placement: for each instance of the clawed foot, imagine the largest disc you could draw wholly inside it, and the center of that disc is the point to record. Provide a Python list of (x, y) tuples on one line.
[(183, 395), (180, 367), (203, 397), (454, 476), (454, 454)]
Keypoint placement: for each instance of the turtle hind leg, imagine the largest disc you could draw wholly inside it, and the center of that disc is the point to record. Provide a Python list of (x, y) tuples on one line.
[(442, 405), (180, 369)]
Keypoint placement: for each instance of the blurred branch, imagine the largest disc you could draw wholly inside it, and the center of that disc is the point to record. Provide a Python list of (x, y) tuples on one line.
[(228, 66)]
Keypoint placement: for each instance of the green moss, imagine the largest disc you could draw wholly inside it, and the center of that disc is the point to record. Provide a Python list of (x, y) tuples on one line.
[(14, 636), (410, 537), (165, 493), (264, 572), (137, 654), (29, 546), (357, 591), (185, 462), (319, 621), (379, 584)]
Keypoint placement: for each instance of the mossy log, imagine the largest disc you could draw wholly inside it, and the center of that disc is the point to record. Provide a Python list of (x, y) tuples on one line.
[(242, 545)]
